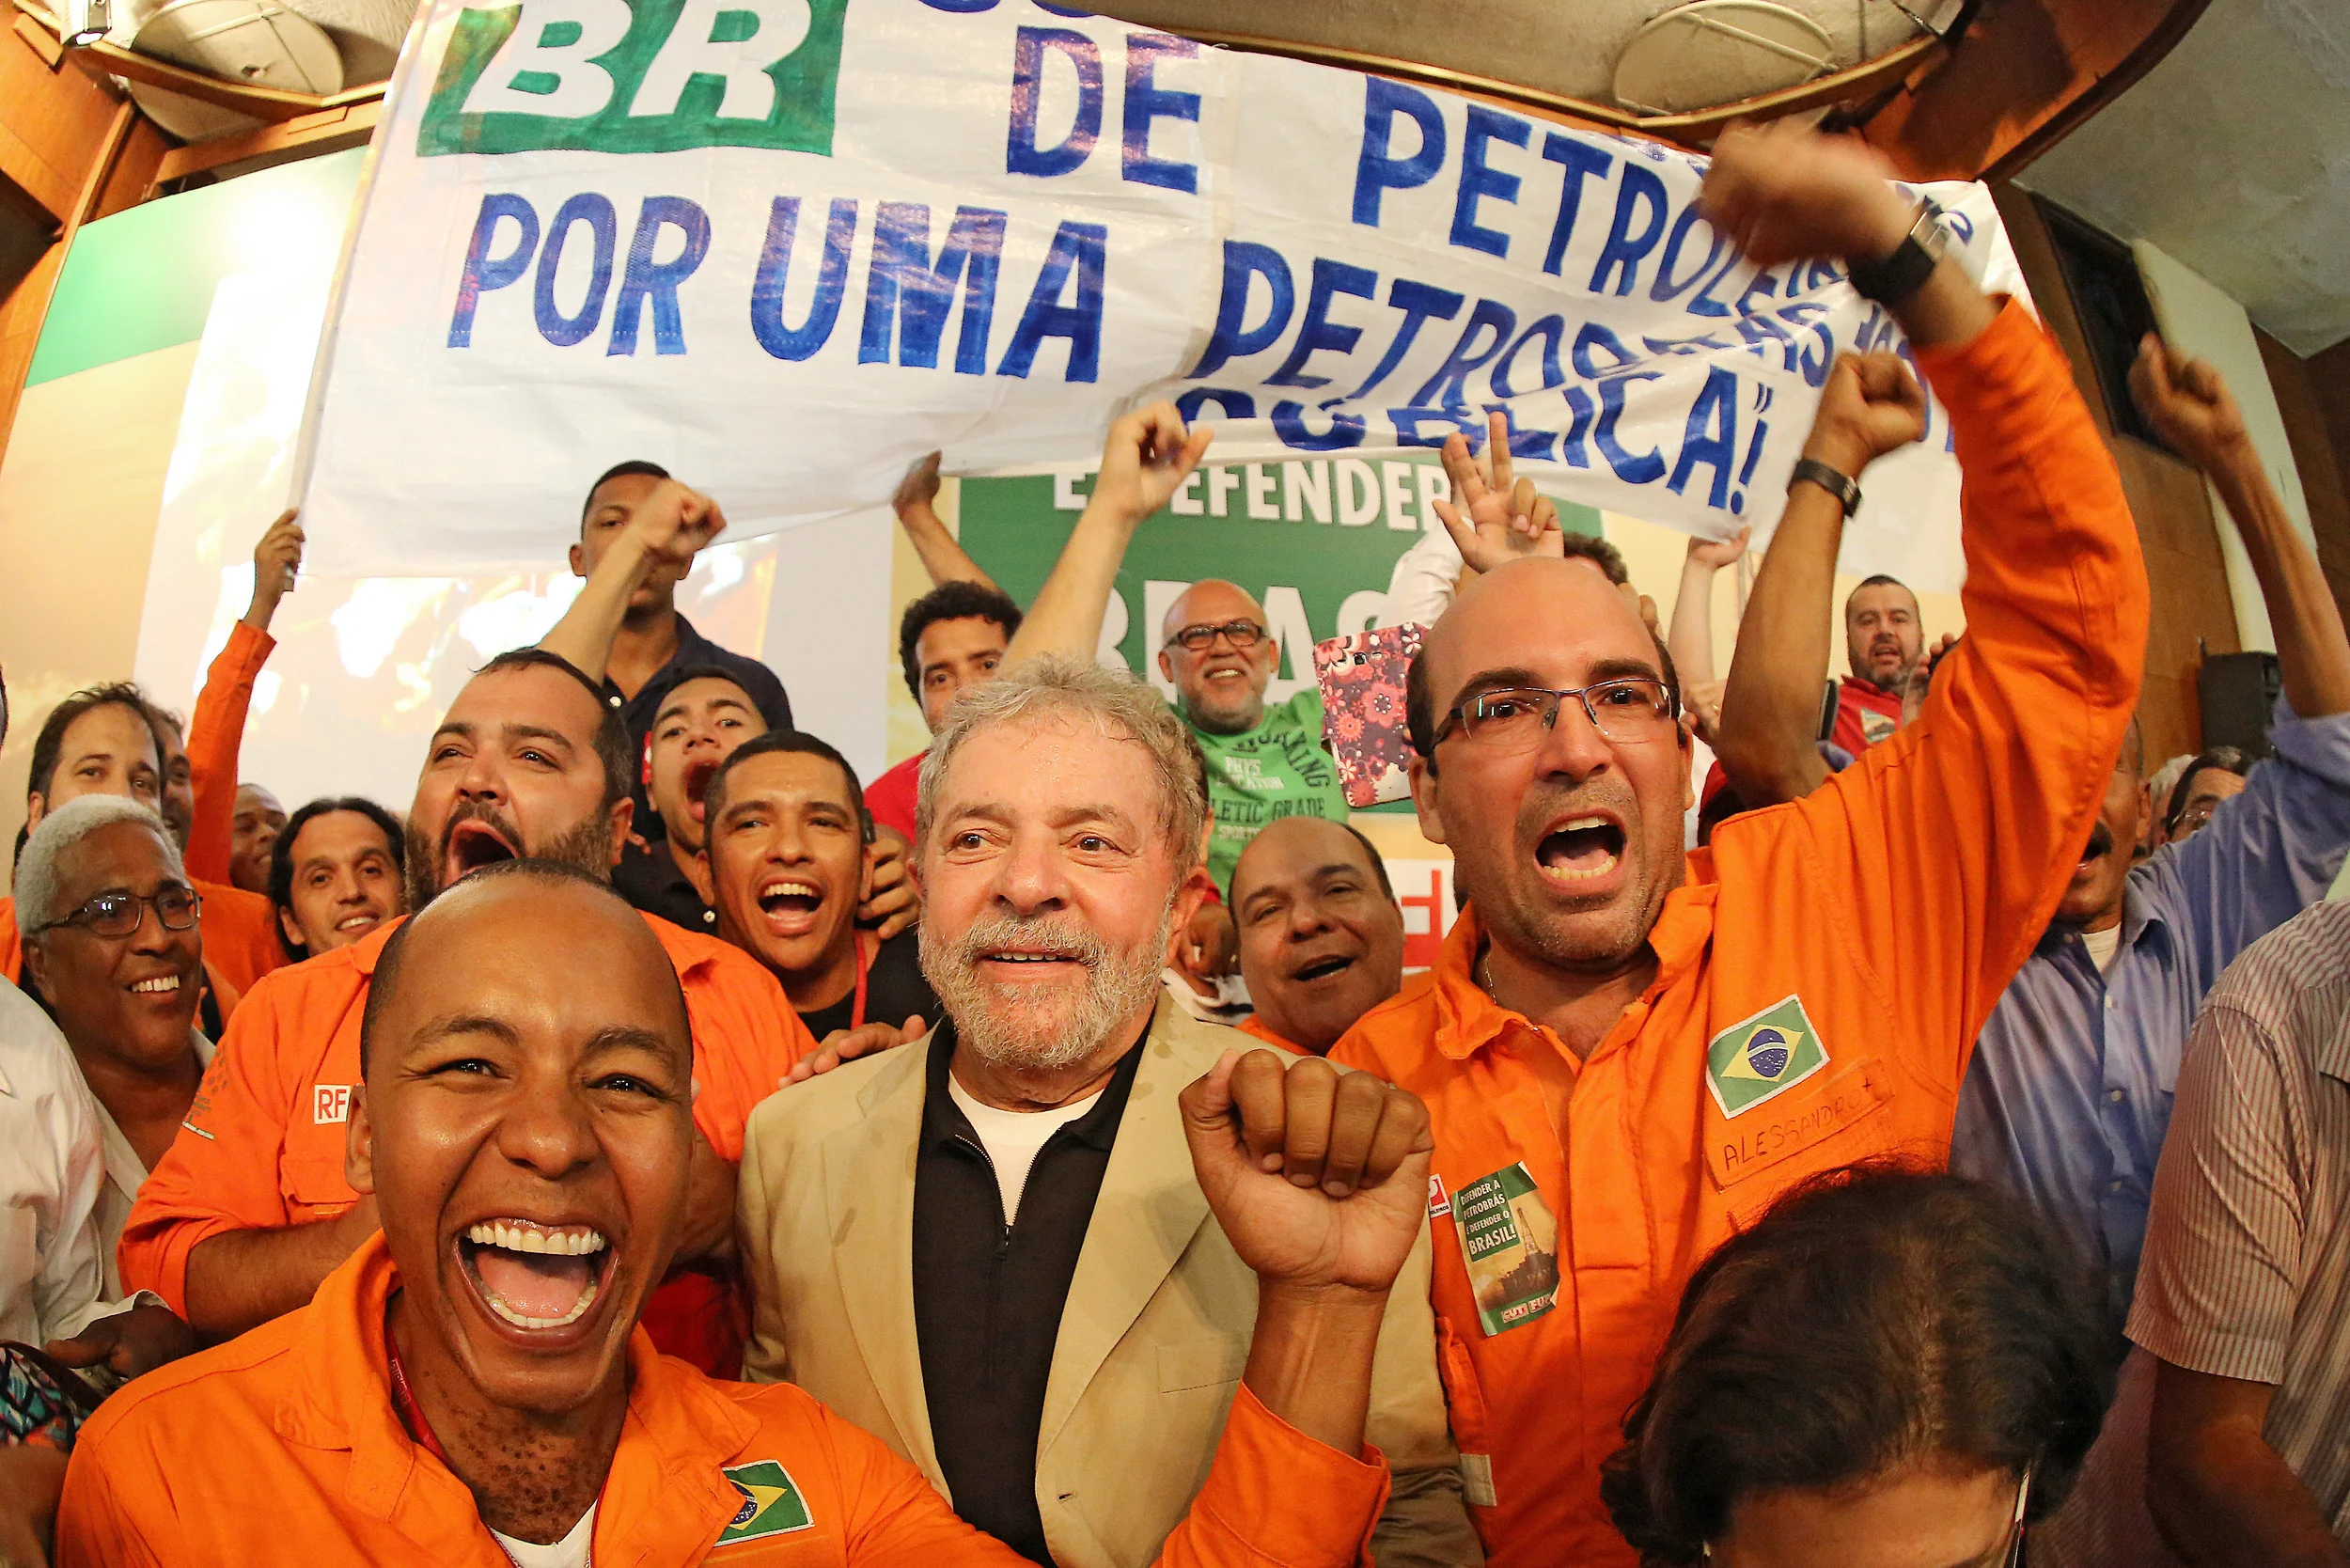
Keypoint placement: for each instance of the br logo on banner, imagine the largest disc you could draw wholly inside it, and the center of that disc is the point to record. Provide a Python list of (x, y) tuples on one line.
[(638, 77)]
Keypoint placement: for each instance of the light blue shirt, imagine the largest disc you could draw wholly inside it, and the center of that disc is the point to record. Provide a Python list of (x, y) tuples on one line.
[(2069, 1094)]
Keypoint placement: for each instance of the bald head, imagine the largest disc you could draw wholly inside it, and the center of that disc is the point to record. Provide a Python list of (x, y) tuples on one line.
[(534, 921), (1567, 838), (1221, 684), (525, 1126)]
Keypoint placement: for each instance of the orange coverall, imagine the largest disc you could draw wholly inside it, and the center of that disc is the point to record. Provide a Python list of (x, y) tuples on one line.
[(215, 733), (262, 1147), (1819, 981), (284, 1447)]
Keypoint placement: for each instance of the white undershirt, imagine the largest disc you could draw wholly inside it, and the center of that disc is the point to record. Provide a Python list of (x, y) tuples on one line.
[(1012, 1138), (570, 1552), (2104, 946)]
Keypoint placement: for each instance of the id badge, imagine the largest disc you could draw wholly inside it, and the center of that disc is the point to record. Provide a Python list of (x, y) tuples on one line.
[(1510, 1241)]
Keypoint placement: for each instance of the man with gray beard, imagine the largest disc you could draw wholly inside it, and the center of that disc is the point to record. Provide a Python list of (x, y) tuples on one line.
[(991, 1250), (250, 1210)]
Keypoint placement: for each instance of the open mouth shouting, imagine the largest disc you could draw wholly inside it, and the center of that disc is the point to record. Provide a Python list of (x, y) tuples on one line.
[(1581, 851), (697, 777), (2100, 845), (473, 843), (790, 905), (539, 1279)]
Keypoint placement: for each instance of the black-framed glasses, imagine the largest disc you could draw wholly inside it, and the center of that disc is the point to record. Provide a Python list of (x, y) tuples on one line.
[(120, 914), (1629, 710), (1198, 640)]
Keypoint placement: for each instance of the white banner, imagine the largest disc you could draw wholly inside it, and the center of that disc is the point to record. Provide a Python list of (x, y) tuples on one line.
[(784, 247)]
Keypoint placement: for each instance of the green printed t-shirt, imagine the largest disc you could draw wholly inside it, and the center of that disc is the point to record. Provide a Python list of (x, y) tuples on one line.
[(1278, 769)]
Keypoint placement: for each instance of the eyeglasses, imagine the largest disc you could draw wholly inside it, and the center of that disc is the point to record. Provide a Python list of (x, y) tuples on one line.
[(2192, 817), (120, 914), (2008, 1554), (1198, 640), (1629, 710)]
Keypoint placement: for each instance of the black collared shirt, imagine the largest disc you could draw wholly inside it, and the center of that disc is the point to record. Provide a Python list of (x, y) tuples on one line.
[(988, 1297), (651, 880), (693, 649)]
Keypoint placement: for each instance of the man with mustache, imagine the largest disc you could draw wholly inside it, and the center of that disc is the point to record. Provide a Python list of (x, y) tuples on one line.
[(1321, 935), (470, 1388), (251, 1210), (990, 1251), (1882, 641), (1631, 1051)]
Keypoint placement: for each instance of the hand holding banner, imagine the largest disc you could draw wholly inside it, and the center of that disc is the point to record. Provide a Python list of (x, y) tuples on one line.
[(786, 247)]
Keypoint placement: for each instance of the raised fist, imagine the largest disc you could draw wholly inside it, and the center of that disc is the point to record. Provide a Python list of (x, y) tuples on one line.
[(276, 563), (1871, 406), (2186, 402), (1318, 1177), (1784, 191)]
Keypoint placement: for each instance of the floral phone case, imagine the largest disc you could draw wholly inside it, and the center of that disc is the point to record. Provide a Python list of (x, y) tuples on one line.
[(1361, 676)]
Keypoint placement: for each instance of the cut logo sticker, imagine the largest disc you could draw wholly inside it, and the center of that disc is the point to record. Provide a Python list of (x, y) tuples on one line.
[(1762, 1056), (772, 1504), (1509, 1242)]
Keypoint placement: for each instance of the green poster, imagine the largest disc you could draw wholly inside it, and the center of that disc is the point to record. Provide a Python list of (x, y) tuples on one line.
[(1315, 540)]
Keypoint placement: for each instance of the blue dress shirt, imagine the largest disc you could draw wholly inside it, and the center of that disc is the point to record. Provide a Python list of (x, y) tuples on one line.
[(2069, 1093)]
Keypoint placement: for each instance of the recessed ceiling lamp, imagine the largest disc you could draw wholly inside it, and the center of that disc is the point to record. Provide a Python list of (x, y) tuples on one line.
[(255, 42), (1709, 53)]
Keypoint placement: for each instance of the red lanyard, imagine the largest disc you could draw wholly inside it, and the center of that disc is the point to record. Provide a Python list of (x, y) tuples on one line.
[(404, 1399), (856, 1010)]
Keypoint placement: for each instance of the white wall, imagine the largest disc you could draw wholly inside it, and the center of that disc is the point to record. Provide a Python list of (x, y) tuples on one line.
[(2199, 319)]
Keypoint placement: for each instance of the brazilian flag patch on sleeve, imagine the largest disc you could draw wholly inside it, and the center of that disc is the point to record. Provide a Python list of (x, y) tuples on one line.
[(1763, 1057), (772, 1504)]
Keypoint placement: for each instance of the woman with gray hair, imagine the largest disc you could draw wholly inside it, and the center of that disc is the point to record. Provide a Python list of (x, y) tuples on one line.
[(112, 942)]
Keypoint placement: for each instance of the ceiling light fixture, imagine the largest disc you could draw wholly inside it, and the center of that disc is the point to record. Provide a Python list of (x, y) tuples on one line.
[(87, 22)]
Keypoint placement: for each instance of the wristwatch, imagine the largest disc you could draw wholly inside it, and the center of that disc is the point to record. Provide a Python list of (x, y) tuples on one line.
[(1892, 279), (1842, 486)]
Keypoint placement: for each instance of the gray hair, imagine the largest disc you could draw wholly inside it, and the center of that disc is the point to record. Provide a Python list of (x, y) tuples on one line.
[(1115, 703), (38, 888)]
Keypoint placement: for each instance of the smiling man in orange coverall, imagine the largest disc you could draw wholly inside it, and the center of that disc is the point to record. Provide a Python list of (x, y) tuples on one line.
[(1627, 1056), (471, 1383), (250, 1209)]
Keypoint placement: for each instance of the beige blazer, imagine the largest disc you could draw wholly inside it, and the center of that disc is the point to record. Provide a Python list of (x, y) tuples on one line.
[(1152, 1339)]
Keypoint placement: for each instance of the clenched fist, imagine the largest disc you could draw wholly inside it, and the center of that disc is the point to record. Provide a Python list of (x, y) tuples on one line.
[(1318, 1176)]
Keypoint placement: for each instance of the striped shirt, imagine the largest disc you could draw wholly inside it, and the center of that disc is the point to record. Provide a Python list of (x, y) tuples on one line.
[(2246, 1269)]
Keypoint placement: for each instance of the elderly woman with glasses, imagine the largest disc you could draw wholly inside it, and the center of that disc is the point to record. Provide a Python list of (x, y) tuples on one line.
[(112, 942), (1893, 1369)]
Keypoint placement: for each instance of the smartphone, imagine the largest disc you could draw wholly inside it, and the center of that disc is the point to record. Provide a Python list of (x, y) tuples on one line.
[(1361, 676)]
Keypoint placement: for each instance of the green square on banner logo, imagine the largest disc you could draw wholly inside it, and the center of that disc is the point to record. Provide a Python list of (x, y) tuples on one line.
[(1762, 1056), (772, 1504), (638, 77)]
